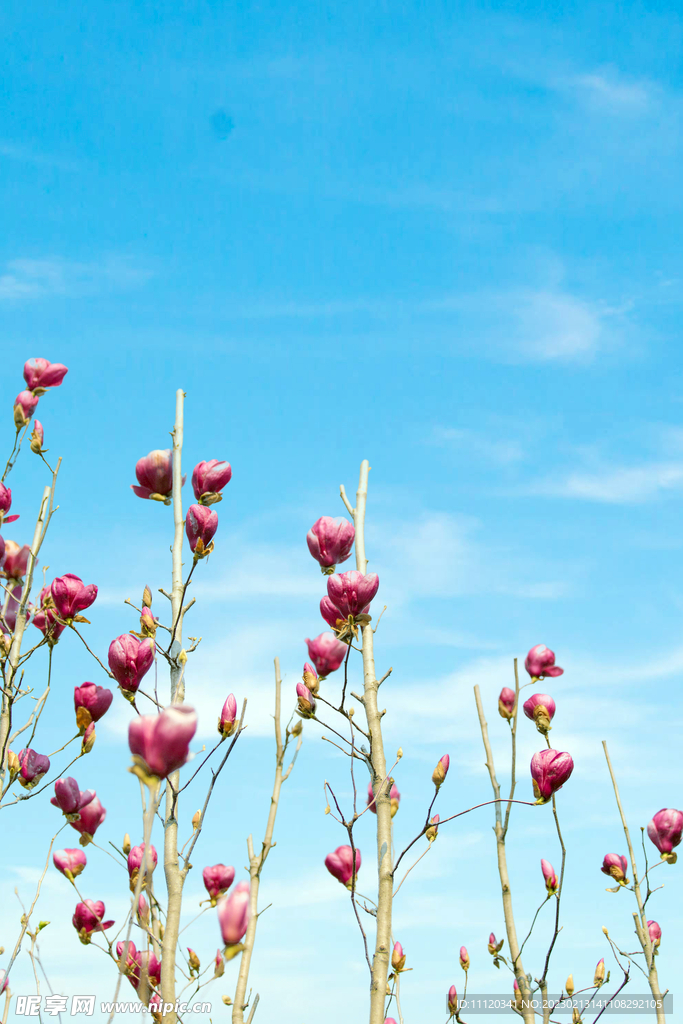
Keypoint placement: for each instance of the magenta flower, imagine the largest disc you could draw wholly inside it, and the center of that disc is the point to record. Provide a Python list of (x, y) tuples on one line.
[(88, 918), (91, 817), (132, 967), (550, 769), (340, 864), (16, 560), (394, 796), (71, 596), (70, 799), (330, 541), (69, 862), (331, 614), (452, 1000), (506, 703), (143, 910), (5, 505), (665, 832), (540, 662), (130, 659), (200, 526), (24, 406), (217, 880), (655, 933), (33, 767), (351, 592), (209, 479), (219, 970), (464, 958), (441, 771), (91, 702), (41, 374), (305, 701), (162, 742), (46, 620), (151, 965), (233, 914), (551, 882), (155, 476), (37, 437), (326, 653), (136, 857), (227, 723), (13, 603), (540, 709), (616, 867)]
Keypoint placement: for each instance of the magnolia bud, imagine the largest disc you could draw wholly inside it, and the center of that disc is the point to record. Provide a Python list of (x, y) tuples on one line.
[(506, 703), (193, 960), (569, 985), (196, 820), (37, 436), (432, 832), (398, 958), (599, 976), (441, 771), (126, 844), (296, 728), (226, 999), (495, 947), (464, 958), (576, 1016), (147, 597)]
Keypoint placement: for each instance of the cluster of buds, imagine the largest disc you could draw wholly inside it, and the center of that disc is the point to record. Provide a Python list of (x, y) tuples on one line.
[(340, 865), (326, 653), (540, 709), (540, 662), (209, 479), (160, 744), (550, 769), (233, 917), (348, 601), (40, 375), (551, 882), (227, 723), (201, 524), (665, 831), (330, 541), (394, 796), (217, 881), (615, 866), (506, 703), (88, 918)]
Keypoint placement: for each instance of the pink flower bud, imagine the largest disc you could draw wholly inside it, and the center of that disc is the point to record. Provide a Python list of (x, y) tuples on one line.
[(143, 910), (465, 958), (655, 933), (69, 798), (13, 599), (91, 702), (616, 867), (46, 620), (494, 947), (227, 723), (331, 614), (69, 862), (441, 771), (91, 817), (351, 592), (665, 832), (209, 479), (71, 596), (41, 374), (162, 742), (599, 976), (132, 966), (540, 662), (37, 438), (193, 960), (200, 526), (16, 560), (432, 832), (148, 624), (233, 914), (5, 505), (551, 882), (33, 767), (550, 769), (394, 796), (129, 660), (220, 966), (24, 406), (506, 703), (155, 476), (88, 918), (389, 1020), (89, 737), (452, 1000), (217, 880), (340, 864), (326, 653), (150, 965), (540, 709), (330, 541), (398, 958), (305, 700), (136, 857)]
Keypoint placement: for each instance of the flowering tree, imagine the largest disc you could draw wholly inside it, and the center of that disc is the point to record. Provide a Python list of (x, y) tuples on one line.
[(145, 948)]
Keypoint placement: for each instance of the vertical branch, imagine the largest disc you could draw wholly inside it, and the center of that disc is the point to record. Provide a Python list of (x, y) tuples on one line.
[(510, 927), (174, 879), (256, 862), (380, 960), (641, 925)]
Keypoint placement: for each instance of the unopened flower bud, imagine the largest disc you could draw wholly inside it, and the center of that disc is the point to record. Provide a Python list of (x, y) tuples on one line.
[(70, 862), (37, 437), (441, 771), (147, 597), (196, 820), (148, 624), (310, 678), (209, 479), (517, 994), (506, 703), (136, 859), (464, 958), (569, 985), (599, 976), (340, 864), (296, 728), (550, 769), (432, 832), (155, 476), (452, 1001), (89, 737), (217, 880), (326, 653), (227, 723), (33, 766), (126, 844), (665, 831), (576, 1015), (551, 882), (655, 933), (495, 947), (306, 701), (143, 910), (193, 961), (200, 526), (24, 406), (233, 917), (540, 709), (330, 541), (615, 866), (220, 967), (13, 764), (398, 959)]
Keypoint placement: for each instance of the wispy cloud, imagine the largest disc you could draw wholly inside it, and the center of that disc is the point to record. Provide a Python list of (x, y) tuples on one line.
[(618, 486), (499, 450), (42, 278), (610, 92), (557, 326)]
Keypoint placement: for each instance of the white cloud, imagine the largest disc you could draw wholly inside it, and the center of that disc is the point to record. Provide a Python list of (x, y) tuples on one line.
[(609, 92), (501, 451), (620, 486), (557, 326), (41, 278)]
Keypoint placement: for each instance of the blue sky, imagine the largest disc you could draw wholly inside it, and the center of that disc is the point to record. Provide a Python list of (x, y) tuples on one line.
[(443, 239)]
